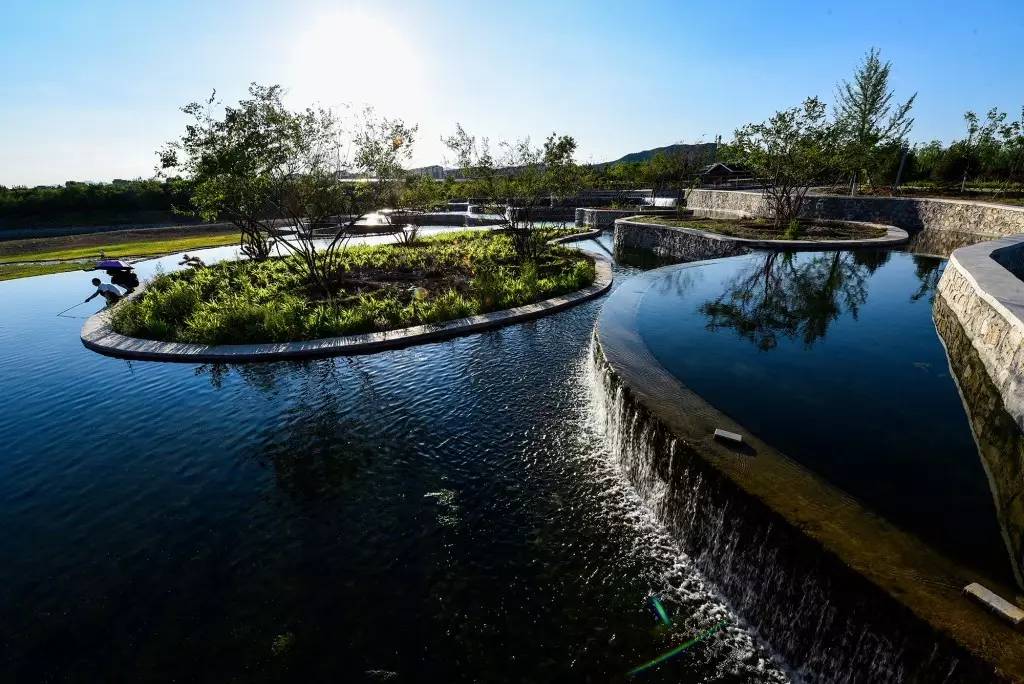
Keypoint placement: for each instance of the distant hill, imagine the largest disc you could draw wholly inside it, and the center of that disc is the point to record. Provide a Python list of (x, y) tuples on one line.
[(697, 152)]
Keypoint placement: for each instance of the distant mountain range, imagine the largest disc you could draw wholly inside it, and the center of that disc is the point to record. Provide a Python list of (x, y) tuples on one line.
[(697, 152)]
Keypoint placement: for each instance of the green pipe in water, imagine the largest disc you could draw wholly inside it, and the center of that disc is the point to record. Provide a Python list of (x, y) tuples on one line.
[(677, 650)]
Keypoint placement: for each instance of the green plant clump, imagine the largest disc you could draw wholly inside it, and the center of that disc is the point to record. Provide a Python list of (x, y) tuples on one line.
[(383, 287), (794, 230)]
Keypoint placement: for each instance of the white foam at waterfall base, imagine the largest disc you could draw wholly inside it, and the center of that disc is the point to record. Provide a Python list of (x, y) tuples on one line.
[(744, 581), (695, 603)]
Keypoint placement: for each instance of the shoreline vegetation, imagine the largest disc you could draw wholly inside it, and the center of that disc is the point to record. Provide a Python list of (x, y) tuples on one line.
[(378, 288), (763, 229), (43, 256)]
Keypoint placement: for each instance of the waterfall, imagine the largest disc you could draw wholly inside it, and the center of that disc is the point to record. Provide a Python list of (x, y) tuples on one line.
[(829, 623)]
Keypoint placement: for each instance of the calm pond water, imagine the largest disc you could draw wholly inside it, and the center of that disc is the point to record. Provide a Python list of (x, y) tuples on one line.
[(446, 513), (833, 358)]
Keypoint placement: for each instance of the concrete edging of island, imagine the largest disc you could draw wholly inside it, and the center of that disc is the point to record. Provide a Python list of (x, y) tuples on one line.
[(987, 297), (691, 244), (98, 336)]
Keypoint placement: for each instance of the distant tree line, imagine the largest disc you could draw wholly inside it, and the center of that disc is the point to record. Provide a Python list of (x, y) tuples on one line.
[(859, 145), (862, 146), (78, 201)]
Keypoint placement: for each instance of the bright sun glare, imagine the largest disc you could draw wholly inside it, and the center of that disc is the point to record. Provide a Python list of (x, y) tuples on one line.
[(356, 57)]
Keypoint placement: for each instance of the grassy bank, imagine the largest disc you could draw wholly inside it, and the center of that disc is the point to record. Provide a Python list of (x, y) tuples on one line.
[(762, 229), (460, 274), (39, 256), (119, 244), (12, 271)]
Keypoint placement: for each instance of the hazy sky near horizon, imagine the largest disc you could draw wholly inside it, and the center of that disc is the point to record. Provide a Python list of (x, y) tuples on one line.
[(91, 89)]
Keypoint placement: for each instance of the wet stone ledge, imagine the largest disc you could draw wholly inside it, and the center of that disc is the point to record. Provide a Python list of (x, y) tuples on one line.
[(605, 218), (840, 592)]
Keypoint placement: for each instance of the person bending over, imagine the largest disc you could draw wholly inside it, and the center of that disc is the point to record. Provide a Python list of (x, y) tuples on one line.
[(109, 292)]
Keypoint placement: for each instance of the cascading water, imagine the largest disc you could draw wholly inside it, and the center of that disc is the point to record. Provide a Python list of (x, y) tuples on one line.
[(829, 623)]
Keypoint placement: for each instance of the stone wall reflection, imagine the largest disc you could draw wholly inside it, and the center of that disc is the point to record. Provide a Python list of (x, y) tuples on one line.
[(1000, 442)]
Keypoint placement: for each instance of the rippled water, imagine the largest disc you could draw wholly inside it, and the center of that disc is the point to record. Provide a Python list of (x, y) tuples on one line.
[(446, 512)]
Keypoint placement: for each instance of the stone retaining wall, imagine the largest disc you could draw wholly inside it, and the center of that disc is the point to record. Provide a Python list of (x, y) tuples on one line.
[(988, 300), (679, 244), (911, 213), (670, 243), (605, 218)]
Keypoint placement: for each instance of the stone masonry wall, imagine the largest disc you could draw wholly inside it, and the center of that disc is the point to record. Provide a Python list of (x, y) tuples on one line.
[(677, 245), (605, 218), (998, 340), (912, 214)]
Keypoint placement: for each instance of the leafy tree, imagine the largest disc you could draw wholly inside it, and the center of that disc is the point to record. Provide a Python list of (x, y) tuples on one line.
[(117, 202), (996, 147), (867, 117), (788, 152), (955, 163), (518, 182), (260, 165), (927, 157), (235, 160)]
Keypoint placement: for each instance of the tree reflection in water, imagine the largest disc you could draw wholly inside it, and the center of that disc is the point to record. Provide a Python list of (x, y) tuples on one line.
[(928, 270), (319, 444), (792, 295)]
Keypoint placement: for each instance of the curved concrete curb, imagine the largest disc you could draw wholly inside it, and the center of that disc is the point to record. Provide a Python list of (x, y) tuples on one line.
[(988, 300), (893, 236), (904, 576), (575, 237), (98, 336)]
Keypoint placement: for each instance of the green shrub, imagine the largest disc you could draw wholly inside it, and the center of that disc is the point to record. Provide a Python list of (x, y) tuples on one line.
[(794, 231)]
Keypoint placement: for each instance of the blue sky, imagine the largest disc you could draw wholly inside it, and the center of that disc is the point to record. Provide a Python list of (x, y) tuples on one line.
[(91, 89)]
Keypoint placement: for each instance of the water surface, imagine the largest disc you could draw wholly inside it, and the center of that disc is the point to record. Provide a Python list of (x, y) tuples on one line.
[(833, 358), (445, 513)]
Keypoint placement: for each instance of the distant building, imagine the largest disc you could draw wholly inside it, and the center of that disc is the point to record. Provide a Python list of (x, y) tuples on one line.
[(720, 173), (436, 172)]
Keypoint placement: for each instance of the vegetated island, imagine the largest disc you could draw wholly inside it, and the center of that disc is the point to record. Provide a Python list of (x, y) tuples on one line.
[(763, 229), (377, 288)]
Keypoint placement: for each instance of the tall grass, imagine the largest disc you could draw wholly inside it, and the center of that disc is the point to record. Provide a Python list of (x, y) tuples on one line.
[(244, 302)]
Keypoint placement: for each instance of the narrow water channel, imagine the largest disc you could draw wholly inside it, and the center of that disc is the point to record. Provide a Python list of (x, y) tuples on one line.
[(447, 512)]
